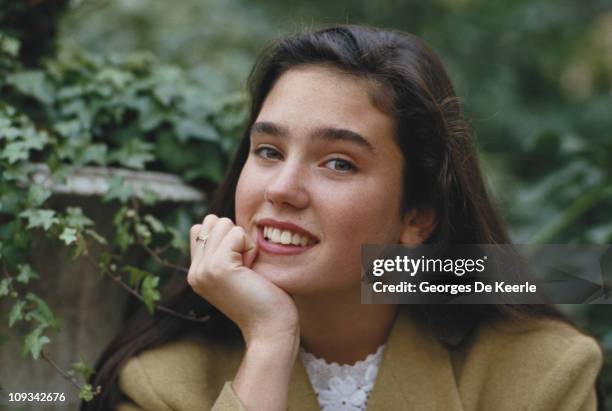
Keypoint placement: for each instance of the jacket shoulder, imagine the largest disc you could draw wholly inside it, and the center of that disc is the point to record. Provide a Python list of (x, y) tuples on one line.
[(546, 363), (180, 375), (537, 341)]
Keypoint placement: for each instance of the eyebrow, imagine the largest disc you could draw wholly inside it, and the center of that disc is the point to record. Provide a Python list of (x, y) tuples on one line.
[(323, 133)]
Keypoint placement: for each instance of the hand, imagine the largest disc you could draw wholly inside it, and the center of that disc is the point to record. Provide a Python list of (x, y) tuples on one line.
[(220, 272)]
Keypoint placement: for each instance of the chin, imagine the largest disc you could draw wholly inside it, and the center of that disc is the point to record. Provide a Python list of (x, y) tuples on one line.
[(288, 279), (298, 283)]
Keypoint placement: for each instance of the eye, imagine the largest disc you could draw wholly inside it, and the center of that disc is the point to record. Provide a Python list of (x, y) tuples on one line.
[(267, 153), (339, 164)]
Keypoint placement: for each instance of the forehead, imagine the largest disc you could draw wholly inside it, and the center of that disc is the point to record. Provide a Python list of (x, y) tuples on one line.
[(308, 97)]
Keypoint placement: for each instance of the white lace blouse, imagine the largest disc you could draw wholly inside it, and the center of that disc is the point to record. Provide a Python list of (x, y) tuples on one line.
[(342, 387)]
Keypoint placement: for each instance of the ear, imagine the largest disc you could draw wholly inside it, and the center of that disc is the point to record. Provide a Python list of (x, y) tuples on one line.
[(417, 225)]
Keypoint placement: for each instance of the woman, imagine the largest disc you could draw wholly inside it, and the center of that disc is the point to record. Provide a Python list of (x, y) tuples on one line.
[(355, 137)]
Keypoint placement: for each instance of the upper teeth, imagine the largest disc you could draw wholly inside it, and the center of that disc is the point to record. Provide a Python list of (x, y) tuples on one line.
[(275, 235)]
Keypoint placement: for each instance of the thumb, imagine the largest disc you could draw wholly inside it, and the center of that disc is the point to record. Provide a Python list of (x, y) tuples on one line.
[(250, 253)]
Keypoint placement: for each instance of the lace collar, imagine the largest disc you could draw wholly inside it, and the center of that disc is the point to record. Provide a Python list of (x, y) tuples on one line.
[(342, 387)]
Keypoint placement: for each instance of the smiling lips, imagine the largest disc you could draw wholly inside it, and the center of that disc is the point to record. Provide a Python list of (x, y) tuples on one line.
[(283, 238)]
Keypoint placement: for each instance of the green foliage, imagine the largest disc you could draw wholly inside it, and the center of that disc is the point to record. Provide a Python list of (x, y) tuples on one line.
[(146, 283), (34, 343), (80, 110), (26, 273), (16, 313), (5, 286), (82, 368), (149, 291), (40, 218), (86, 392)]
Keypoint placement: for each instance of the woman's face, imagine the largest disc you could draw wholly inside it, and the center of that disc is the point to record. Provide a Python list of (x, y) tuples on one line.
[(323, 177)]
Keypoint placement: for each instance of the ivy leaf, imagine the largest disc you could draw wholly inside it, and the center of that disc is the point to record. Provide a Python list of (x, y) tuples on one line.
[(16, 313), (70, 129), (156, 225), (68, 236), (9, 133), (143, 232), (118, 78), (82, 368), (5, 286), (40, 218), (149, 292), (136, 275), (42, 313), (76, 219), (26, 274), (134, 154), (95, 153), (38, 194), (123, 235), (15, 151), (9, 45), (33, 83), (123, 238), (34, 139), (117, 189), (34, 342), (86, 392)]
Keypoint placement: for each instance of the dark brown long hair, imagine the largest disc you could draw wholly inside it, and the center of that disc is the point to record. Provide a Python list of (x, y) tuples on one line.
[(441, 172)]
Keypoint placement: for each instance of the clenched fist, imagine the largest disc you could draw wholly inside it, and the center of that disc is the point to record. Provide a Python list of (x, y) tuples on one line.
[(221, 273)]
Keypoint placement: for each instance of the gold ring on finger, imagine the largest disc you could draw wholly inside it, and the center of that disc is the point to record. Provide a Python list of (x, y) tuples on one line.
[(202, 239)]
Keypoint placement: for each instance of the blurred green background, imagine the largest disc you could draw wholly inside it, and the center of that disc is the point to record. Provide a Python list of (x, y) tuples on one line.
[(535, 77)]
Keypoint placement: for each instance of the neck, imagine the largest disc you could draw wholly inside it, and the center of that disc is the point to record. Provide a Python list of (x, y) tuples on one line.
[(341, 329)]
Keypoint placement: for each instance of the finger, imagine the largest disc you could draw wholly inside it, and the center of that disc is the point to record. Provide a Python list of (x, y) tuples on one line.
[(251, 250), (216, 234), (237, 248), (200, 230), (209, 263), (193, 234)]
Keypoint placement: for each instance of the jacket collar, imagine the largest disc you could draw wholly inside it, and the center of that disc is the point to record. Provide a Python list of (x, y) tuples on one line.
[(415, 373)]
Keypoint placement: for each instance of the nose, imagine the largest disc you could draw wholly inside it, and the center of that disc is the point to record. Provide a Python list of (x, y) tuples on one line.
[(287, 186)]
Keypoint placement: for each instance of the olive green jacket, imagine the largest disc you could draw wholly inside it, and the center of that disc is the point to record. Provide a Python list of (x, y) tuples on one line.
[(529, 365)]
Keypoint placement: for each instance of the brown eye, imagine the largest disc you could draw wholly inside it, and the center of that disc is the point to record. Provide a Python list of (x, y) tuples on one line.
[(338, 164), (268, 153)]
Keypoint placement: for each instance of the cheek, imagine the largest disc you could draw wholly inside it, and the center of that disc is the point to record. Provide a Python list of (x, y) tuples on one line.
[(370, 214), (246, 192)]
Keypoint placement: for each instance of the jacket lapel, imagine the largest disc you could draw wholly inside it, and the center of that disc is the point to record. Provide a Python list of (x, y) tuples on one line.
[(301, 395), (415, 372)]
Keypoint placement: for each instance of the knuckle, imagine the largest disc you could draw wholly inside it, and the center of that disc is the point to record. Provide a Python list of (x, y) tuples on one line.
[(225, 221), (195, 229), (197, 279), (209, 219), (191, 278), (236, 232)]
